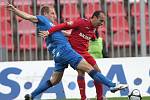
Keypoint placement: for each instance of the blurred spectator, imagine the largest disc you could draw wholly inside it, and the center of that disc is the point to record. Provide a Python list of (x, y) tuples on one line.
[(58, 9), (97, 47)]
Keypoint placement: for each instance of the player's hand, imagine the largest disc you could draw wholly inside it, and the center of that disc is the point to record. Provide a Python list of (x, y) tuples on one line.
[(10, 7), (43, 34)]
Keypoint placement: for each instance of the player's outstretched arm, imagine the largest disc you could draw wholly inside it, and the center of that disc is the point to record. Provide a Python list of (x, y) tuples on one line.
[(22, 14), (46, 33), (64, 26)]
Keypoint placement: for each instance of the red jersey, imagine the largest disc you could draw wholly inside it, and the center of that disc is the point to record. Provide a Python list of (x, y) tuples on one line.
[(80, 36), (82, 32)]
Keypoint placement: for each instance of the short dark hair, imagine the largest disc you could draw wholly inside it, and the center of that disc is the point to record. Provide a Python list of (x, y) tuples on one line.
[(97, 13), (44, 9)]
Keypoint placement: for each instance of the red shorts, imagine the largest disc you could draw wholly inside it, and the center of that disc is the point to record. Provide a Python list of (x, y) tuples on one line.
[(88, 58)]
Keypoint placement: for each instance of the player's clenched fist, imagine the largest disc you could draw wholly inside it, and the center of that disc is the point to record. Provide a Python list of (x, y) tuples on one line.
[(10, 7), (43, 33)]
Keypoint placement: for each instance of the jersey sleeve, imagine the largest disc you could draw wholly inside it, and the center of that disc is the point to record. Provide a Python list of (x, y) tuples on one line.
[(41, 19), (43, 23), (66, 26)]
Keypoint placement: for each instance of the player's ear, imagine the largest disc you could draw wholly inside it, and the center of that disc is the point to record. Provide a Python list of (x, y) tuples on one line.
[(44, 13)]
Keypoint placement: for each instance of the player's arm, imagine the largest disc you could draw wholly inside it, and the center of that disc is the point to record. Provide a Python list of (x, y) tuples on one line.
[(22, 14), (65, 26), (46, 33)]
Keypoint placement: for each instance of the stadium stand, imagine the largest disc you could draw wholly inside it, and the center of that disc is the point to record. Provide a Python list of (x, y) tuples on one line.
[(135, 9), (23, 2), (4, 14), (138, 19), (116, 9), (121, 39), (26, 27), (7, 42), (44, 45), (147, 35), (119, 23), (5, 27), (25, 8), (91, 7), (27, 42), (47, 2), (70, 11)]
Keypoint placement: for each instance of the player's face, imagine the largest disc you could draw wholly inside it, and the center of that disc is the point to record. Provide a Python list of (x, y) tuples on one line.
[(100, 20), (52, 14)]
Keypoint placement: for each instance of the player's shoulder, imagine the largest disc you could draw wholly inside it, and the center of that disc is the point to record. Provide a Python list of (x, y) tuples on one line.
[(83, 20), (42, 18)]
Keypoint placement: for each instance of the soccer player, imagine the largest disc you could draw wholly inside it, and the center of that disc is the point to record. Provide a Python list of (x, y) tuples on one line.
[(97, 47), (81, 46), (63, 55)]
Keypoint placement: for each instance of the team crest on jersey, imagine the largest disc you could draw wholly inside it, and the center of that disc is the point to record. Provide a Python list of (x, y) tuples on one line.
[(51, 24), (87, 28), (70, 22)]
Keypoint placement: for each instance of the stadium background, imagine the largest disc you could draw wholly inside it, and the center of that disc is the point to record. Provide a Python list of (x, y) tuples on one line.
[(126, 32)]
